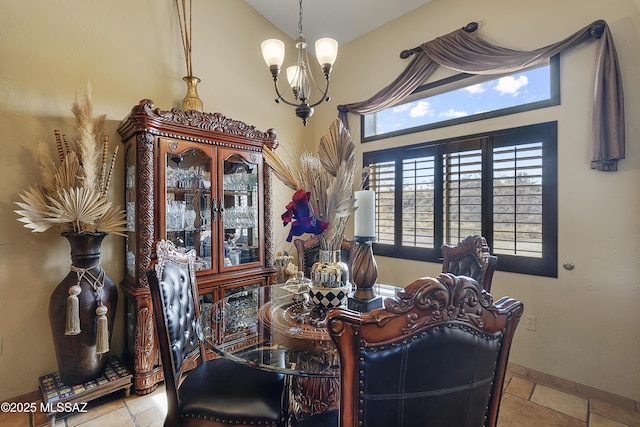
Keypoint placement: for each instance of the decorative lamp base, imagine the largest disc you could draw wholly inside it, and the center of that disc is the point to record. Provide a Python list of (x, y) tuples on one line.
[(365, 273), (364, 305)]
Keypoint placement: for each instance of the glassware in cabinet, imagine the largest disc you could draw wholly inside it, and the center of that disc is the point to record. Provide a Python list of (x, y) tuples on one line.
[(188, 200), (241, 208)]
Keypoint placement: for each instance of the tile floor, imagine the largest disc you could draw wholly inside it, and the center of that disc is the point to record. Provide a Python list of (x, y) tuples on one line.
[(524, 404)]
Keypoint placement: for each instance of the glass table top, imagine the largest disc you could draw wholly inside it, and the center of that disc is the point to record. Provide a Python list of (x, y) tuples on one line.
[(273, 328)]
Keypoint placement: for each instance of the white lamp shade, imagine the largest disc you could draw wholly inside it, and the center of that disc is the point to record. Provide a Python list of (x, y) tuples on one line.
[(292, 75), (326, 51), (273, 52)]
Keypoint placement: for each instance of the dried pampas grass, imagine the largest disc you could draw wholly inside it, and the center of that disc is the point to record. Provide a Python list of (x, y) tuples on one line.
[(281, 170), (73, 193)]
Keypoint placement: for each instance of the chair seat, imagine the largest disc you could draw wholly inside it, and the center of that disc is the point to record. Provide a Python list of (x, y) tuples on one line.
[(325, 419), (228, 392)]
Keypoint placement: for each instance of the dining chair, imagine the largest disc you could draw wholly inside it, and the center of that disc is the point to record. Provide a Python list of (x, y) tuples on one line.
[(217, 392), (470, 257), (309, 251), (435, 355)]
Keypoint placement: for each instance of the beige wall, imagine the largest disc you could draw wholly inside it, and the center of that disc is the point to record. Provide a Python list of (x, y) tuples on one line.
[(587, 319), (130, 51)]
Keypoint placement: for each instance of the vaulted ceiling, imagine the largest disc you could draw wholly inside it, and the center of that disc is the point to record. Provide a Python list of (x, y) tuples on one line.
[(343, 20)]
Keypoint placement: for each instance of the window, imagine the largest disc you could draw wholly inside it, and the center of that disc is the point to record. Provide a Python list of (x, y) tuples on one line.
[(501, 184), (464, 98)]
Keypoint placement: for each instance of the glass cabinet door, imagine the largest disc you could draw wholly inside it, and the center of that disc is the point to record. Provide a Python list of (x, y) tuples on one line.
[(188, 216), (240, 208)]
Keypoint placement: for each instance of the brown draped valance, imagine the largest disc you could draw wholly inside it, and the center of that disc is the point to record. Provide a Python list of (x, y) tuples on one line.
[(468, 52)]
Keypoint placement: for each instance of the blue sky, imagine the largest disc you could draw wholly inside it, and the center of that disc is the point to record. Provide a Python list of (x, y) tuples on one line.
[(516, 89)]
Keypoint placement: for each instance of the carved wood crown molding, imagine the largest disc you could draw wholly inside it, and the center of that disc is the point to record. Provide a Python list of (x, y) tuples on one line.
[(209, 121), (199, 125)]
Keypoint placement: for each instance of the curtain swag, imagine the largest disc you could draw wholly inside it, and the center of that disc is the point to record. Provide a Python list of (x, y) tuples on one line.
[(467, 52)]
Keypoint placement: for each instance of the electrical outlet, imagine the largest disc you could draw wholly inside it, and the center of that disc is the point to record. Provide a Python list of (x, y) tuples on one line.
[(530, 322)]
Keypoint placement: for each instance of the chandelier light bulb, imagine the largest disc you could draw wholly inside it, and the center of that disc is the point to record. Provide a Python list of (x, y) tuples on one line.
[(292, 73), (273, 52), (326, 51)]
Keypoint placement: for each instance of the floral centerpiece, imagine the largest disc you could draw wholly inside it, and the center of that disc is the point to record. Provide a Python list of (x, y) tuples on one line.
[(72, 196), (323, 187), (323, 199)]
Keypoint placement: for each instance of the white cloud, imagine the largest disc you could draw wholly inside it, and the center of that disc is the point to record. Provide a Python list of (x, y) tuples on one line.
[(475, 89), (389, 127), (400, 108), (421, 109), (510, 85), (451, 113)]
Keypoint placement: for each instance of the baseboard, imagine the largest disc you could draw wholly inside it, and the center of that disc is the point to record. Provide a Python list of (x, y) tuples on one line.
[(574, 387)]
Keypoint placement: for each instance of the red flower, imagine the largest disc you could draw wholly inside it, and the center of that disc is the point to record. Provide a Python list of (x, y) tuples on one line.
[(300, 216)]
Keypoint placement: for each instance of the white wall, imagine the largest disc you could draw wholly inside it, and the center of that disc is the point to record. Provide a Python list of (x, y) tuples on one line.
[(129, 51), (587, 319)]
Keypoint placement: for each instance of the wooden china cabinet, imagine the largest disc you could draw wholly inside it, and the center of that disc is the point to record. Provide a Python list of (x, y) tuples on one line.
[(197, 179)]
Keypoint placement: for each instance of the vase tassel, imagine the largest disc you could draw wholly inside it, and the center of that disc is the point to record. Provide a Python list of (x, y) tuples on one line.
[(73, 311), (102, 335)]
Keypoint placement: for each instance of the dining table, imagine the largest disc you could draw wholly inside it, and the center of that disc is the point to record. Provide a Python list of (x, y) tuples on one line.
[(277, 328)]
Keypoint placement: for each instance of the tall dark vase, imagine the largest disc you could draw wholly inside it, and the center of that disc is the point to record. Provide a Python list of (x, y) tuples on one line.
[(78, 361)]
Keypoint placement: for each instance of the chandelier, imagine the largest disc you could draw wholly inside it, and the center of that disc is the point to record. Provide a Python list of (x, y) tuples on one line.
[(300, 76)]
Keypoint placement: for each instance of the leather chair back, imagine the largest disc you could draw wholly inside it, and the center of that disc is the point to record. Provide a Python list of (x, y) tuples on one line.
[(214, 393), (435, 355), (471, 257), (173, 287)]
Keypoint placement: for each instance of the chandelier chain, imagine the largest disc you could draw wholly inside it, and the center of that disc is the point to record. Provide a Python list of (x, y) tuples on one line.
[(300, 20)]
